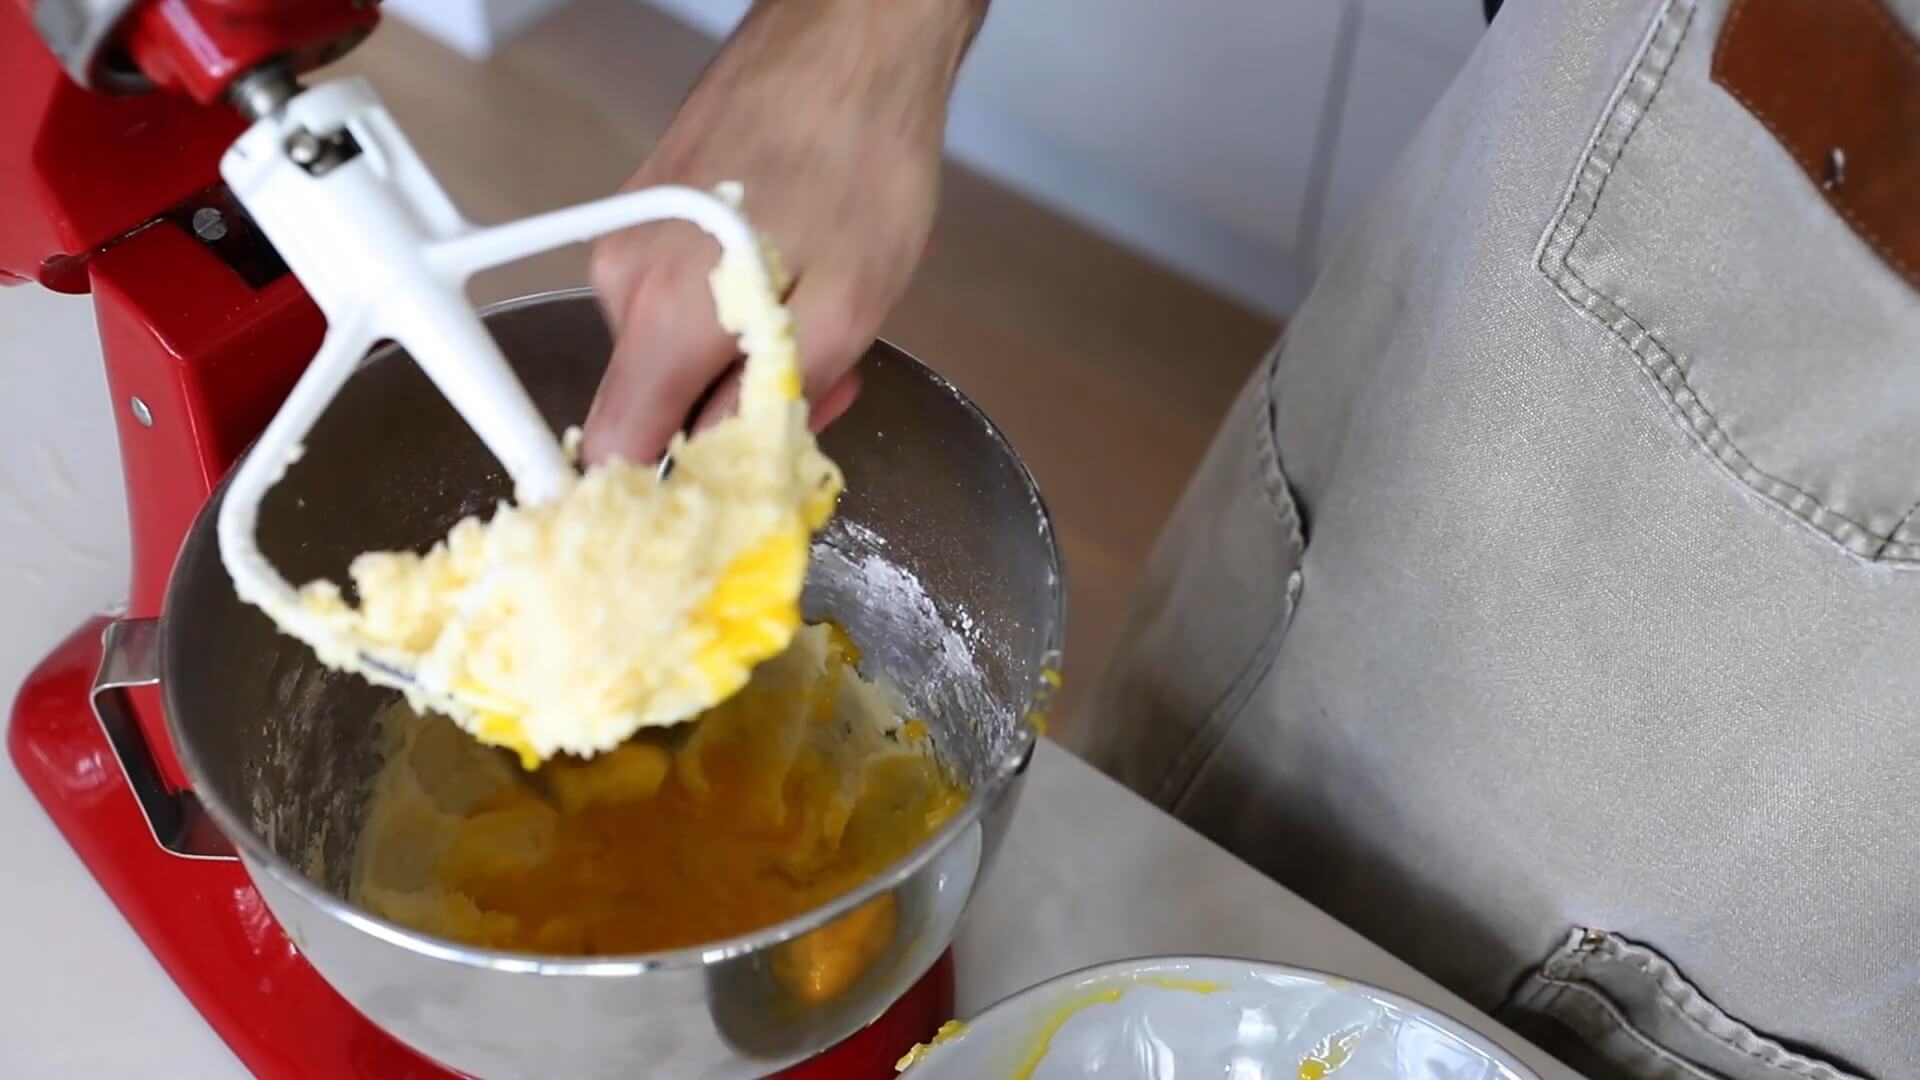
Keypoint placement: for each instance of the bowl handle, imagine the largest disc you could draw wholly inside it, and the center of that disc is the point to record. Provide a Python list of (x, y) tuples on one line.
[(130, 657)]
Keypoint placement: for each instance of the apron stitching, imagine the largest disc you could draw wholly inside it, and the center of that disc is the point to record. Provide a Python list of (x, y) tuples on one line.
[(1597, 160), (1630, 103), (1279, 495), (1624, 1026), (1179, 779), (1851, 536), (1655, 65), (1207, 741), (1898, 526), (1712, 1021), (1706, 1018)]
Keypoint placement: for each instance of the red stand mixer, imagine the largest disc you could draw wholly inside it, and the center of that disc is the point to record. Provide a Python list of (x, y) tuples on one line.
[(116, 115)]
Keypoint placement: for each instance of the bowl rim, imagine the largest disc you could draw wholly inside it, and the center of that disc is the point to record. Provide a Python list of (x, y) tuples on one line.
[(1148, 965), (986, 794)]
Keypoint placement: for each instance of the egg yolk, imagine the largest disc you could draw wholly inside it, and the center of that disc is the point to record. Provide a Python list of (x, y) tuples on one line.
[(790, 793)]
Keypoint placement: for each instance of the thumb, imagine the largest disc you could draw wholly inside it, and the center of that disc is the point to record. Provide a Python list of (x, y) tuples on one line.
[(665, 356)]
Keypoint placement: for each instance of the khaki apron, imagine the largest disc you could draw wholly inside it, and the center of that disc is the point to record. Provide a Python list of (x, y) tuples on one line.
[(1548, 608)]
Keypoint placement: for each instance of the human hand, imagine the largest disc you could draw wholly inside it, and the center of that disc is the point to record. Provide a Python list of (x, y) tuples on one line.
[(831, 115)]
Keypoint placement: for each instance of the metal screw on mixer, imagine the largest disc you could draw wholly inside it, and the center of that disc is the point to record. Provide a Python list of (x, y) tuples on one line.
[(303, 147), (321, 154), (264, 91), (140, 412), (209, 224)]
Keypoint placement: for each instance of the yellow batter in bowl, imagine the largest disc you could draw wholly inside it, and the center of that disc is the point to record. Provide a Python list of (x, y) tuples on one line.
[(785, 796)]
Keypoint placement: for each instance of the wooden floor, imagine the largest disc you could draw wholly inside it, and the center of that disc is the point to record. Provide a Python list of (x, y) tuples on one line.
[(1107, 372)]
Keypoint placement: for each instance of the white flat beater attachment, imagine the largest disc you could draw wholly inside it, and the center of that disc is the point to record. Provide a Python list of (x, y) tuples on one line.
[(333, 183)]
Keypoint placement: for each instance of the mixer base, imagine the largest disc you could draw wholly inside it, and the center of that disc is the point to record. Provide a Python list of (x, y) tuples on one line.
[(209, 929)]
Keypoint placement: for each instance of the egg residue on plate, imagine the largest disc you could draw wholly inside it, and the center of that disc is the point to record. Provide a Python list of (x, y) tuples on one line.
[(630, 601), (1050, 1023), (948, 1032)]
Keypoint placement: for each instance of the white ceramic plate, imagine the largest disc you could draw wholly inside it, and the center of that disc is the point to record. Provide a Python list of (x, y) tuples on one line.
[(1186, 1018)]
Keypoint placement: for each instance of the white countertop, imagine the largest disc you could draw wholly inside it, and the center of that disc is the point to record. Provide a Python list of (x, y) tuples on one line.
[(1089, 874)]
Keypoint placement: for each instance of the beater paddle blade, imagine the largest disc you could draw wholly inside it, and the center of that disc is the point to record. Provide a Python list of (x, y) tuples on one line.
[(333, 182)]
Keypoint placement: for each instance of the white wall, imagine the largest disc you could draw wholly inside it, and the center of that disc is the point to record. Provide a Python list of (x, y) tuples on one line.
[(1180, 129), (1228, 139), (473, 27)]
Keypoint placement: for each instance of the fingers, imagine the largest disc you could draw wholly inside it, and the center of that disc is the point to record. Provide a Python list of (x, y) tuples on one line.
[(829, 407), (670, 352), (668, 346), (831, 339), (836, 401), (722, 402), (835, 319)]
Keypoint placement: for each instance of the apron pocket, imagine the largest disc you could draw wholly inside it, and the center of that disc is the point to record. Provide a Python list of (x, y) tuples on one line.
[(1776, 338), (1619, 1011), (1207, 616)]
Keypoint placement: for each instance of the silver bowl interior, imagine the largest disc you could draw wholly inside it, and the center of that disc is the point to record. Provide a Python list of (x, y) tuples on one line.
[(941, 563)]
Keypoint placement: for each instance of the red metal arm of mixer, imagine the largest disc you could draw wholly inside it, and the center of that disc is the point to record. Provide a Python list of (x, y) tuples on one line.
[(89, 153), (111, 132)]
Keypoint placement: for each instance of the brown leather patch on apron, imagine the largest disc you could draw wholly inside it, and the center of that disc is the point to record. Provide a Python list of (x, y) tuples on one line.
[(1838, 84)]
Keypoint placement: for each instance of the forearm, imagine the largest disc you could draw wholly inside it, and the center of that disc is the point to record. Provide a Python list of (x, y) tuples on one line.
[(904, 54), (936, 32), (832, 114)]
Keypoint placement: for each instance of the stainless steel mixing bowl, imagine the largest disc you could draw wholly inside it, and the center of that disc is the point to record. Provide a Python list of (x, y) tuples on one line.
[(942, 565)]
